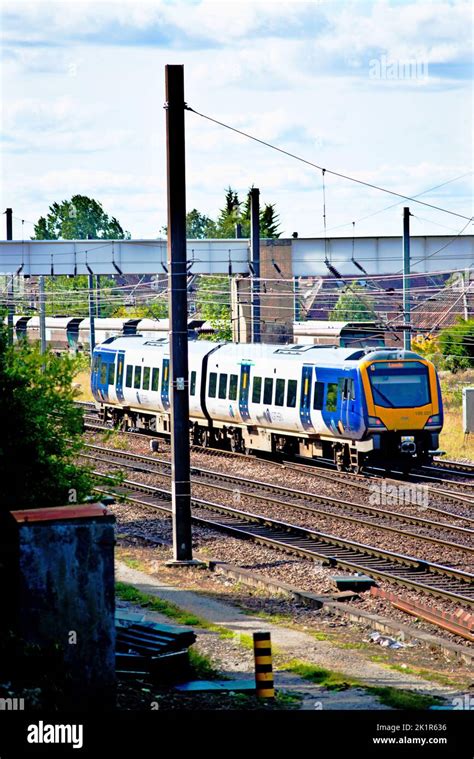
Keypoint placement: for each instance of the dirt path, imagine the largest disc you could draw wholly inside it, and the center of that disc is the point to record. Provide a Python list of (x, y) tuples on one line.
[(237, 662)]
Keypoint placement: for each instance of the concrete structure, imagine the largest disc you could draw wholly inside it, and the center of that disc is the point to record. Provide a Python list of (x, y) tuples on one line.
[(276, 296), (468, 410), (62, 598)]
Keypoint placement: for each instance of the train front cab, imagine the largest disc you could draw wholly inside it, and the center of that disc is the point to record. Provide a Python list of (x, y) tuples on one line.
[(107, 375), (404, 409)]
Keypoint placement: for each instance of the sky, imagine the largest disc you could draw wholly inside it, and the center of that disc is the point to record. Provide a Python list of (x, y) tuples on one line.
[(381, 91)]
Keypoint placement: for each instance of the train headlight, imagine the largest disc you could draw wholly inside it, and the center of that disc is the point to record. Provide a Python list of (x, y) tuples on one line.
[(434, 421), (374, 421)]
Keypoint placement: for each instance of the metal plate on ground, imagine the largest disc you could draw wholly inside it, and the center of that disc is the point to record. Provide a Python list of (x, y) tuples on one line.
[(216, 685)]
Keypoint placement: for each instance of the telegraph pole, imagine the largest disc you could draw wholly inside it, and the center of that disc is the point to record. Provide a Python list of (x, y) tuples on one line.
[(11, 293), (178, 310), (406, 280), (255, 258)]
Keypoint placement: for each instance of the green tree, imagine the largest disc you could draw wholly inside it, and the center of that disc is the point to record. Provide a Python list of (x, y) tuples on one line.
[(352, 306), (70, 295), (154, 309), (41, 429), (213, 304), (233, 214), (456, 344), (80, 218), (199, 226), (229, 216)]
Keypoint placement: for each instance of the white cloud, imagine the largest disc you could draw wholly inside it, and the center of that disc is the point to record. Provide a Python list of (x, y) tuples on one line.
[(294, 74)]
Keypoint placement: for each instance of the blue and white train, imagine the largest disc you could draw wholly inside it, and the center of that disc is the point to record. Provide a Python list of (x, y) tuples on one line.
[(354, 406)]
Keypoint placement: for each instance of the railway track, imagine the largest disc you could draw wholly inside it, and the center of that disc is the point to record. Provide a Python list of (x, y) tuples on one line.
[(93, 423), (429, 577), (462, 493), (298, 499)]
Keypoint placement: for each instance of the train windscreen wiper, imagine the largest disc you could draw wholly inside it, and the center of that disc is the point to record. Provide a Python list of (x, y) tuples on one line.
[(383, 396)]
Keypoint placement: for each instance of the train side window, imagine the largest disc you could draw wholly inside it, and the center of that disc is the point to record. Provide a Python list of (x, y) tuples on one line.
[(146, 378), (291, 394), (280, 392), (103, 373), (268, 391), (341, 387), (212, 384), (129, 376), (233, 382), (155, 379), (192, 384), (331, 397), (350, 389), (222, 386), (318, 396), (137, 377), (257, 390), (111, 374)]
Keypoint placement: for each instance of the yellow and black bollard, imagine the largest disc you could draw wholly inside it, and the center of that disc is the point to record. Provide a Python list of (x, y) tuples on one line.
[(262, 649)]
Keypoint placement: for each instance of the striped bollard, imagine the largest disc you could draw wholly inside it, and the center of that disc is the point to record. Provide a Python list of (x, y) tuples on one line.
[(262, 649)]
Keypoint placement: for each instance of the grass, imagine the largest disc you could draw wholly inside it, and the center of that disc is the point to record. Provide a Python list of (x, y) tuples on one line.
[(128, 593), (202, 666), (132, 563), (393, 697), (83, 381), (403, 699), (314, 674), (288, 700), (357, 646), (452, 438), (426, 674)]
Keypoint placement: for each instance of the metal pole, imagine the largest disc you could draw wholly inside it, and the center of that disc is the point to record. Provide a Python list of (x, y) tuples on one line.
[(178, 309), (297, 302), (464, 280), (11, 293), (42, 306), (255, 257), (97, 300), (91, 313), (406, 279), (238, 231)]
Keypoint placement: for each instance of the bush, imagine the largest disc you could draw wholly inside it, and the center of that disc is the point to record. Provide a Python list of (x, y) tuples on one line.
[(41, 429)]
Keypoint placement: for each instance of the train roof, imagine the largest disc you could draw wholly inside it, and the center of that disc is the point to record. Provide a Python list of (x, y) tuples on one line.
[(312, 354)]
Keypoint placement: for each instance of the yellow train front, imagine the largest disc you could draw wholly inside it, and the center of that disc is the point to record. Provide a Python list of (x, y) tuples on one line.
[(403, 408)]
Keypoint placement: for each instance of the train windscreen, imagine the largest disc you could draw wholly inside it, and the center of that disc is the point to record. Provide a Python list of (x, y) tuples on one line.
[(398, 384)]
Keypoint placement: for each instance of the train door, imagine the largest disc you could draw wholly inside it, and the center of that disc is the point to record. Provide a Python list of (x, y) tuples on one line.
[(244, 392), (165, 384), (105, 374), (94, 373), (119, 381), (305, 398), (347, 396)]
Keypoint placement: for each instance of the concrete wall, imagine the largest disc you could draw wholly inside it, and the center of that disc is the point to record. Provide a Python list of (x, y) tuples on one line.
[(65, 595)]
